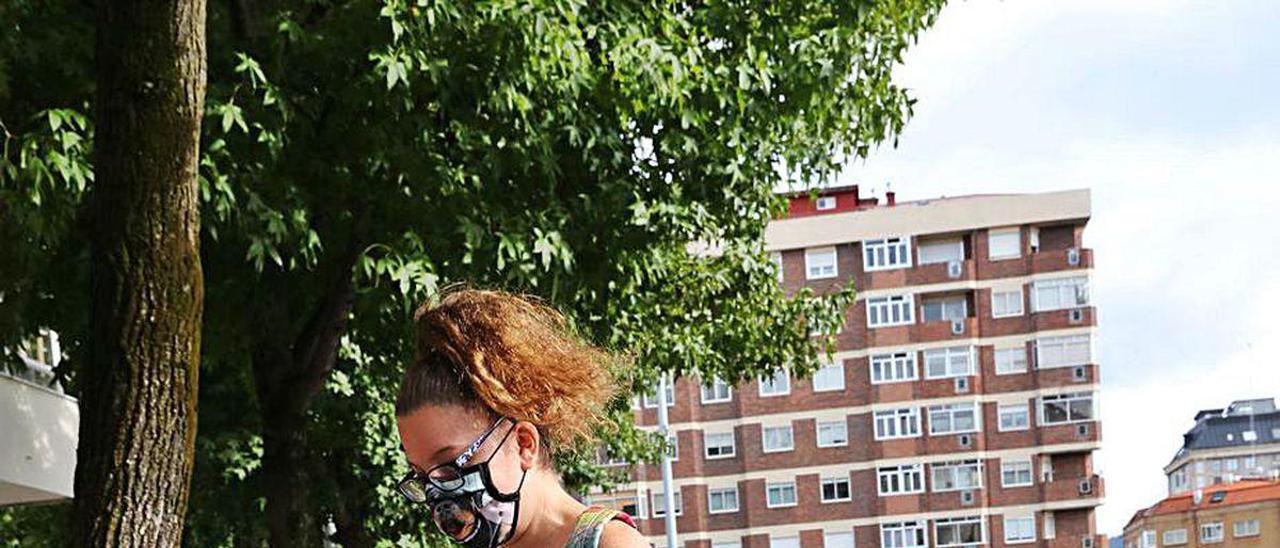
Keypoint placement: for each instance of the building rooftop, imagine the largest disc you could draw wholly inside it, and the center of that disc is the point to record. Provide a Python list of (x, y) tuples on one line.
[(1243, 492), (865, 218), (1244, 422)]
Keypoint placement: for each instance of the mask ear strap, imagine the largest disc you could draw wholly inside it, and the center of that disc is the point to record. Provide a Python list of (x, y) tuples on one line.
[(515, 515)]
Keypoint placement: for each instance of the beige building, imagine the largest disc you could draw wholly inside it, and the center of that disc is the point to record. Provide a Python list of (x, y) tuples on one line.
[(1245, 513), (1241, 441)]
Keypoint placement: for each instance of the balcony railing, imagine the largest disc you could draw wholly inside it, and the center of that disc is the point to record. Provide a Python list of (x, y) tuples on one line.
[(37, 458), (1085, 488)]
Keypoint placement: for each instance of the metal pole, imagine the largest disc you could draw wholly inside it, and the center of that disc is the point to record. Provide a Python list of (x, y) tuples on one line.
[(668, 496)]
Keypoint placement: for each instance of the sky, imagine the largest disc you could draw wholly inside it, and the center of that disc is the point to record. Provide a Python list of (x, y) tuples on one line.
[(1170, 112)]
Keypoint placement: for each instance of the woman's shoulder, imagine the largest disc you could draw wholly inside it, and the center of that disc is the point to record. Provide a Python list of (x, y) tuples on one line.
[(598, 527), (621, 534)]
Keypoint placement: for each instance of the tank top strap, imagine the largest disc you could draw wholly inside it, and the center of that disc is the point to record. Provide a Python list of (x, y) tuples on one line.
[(590, 526)]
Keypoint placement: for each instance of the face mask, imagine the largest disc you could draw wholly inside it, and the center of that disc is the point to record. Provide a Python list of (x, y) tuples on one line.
[(477, 515), (465, 504)]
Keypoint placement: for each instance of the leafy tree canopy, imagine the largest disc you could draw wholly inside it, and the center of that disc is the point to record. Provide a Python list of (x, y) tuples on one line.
[(616, 158)]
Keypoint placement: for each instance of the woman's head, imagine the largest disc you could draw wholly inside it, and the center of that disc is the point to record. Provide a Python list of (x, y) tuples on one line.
[(482, 355)]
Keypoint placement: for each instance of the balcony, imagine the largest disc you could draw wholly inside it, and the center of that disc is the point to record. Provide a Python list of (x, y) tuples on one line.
[(1061, 259), (1077, 492), (940, 273), (1064, 318), (38, 456)]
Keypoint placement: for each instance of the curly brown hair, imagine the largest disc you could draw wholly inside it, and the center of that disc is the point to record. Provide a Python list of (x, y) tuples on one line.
[(509, 355)]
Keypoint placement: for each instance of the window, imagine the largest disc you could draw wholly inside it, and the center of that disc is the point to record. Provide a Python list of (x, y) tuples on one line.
[(651, 397), (1015, 473), (719, 445), (891, 311), (1147, 538), (1061, 293), (1245, 528), (778, 495), (784, 542), (820, 263), (722, 500), (956, 418), (717, 392), (1019, 529), (900, 480), (897, 423), (835, 490), (1050, 525), (1013, 416), (1004, 243), (1211, 532), (826, 202), (1006, 303), (659, 507), (944, 309), (886, 254), (777, 438), (777, 385), (727, 544), (776, 258), (896, 367), (1066, 408), (957, 475), (604, 457), (941, 251), (1178, 481), (829, 377), (966, 531), (906, 534), (1174, 537), (843, 539), (956, 361), (1065, 351), (1011, 360), (833, 433)]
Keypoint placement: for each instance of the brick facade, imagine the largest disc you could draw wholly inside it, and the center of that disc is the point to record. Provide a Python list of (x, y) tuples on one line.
[(1063, 489)]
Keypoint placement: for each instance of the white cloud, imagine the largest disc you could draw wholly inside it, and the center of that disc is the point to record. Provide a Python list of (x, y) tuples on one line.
[(1166, 110)]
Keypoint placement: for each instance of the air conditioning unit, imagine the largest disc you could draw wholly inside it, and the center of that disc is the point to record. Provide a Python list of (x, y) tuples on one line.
[(962, 385), (1079, 373), (1076, 315), (957, 327), (1082, 430), (1086, 542), (967, 498), (955, 269), (966, 441), (1086, 486), (1073, 257)]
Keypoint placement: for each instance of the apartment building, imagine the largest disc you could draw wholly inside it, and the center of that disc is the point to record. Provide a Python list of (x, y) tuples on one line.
[(1238, 442), (959, 410), (39, 426), (1241, 514)]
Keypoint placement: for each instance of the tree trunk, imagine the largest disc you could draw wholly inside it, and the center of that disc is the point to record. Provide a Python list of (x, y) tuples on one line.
[(139, 379), (288, 374)]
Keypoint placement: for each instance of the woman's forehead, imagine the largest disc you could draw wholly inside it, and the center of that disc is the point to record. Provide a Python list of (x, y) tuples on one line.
[(435, 434)]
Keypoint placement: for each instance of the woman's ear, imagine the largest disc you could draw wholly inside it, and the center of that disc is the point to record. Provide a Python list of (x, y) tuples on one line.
[(528, 444)]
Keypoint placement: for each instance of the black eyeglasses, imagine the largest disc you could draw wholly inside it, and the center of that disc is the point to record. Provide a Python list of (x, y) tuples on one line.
[(449, 476)]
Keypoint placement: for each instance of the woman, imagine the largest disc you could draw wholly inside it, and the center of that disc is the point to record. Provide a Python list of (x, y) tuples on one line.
[(498, 383)]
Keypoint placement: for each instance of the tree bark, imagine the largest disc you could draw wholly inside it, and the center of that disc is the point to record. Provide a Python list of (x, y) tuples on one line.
[(139, 379)]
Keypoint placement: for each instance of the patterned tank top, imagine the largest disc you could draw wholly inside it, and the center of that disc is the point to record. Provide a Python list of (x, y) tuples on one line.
[(590, 526)]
